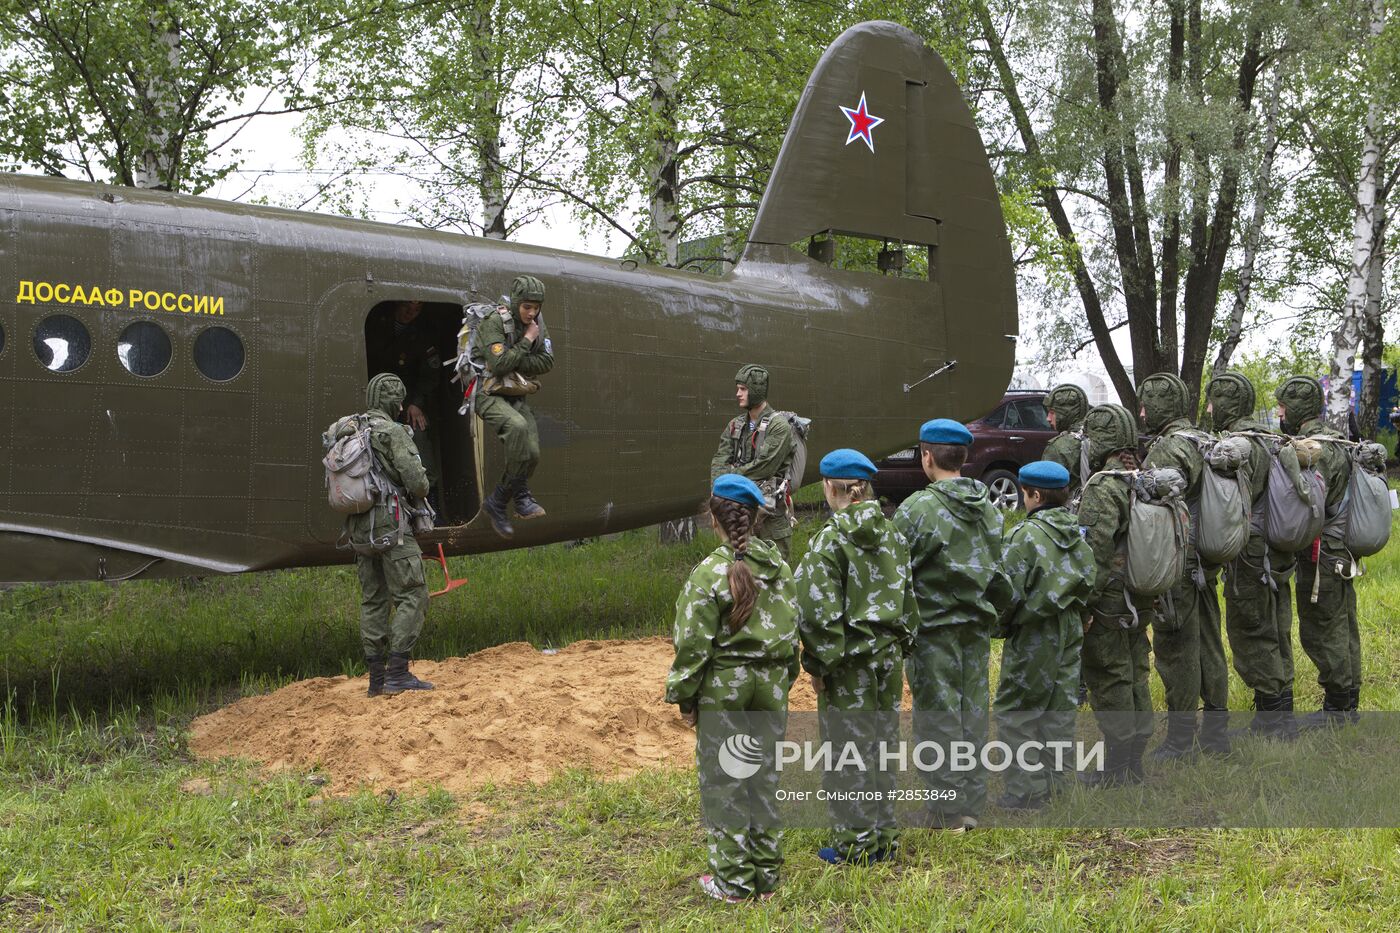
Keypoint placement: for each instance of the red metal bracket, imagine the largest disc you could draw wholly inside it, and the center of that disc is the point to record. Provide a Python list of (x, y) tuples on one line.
[(450, 584)]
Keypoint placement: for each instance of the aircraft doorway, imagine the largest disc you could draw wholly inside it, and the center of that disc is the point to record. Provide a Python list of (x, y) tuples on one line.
[(413, 339)]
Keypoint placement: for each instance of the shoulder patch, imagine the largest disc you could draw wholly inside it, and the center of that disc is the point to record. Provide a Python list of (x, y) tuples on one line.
[(497, 349)]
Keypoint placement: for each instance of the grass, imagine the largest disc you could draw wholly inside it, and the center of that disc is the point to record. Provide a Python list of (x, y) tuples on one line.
[(106, 822)]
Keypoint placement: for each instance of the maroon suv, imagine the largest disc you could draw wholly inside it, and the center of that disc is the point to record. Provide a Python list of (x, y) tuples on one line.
[(1014, 434)]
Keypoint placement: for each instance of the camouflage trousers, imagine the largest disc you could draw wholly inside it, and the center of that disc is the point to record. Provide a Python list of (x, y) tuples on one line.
[(1328, 627), (514, 423), (744, 860), (777, 530), (1259, 618), (1116, 670), (1187, 646), (949, 680), (426, 443), (1038, 694), (393, 599), (870, 688)]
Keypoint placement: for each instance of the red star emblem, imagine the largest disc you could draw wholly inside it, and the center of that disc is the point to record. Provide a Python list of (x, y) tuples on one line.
[(862, 122)]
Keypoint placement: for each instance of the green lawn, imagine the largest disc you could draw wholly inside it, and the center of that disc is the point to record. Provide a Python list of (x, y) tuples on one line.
[(107, 823)]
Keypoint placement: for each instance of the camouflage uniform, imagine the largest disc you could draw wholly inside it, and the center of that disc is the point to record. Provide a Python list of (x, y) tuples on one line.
[(1186, 640), (1258, 614), (1070, 404), (1115, 643), (853, 587), (1327, 624), (503, 350), (394, 594), (720, 669), (739, 452), (954, 535), (1051, 572), (409, 352)]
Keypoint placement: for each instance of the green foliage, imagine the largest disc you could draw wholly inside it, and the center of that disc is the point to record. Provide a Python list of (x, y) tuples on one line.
[(141, 93)]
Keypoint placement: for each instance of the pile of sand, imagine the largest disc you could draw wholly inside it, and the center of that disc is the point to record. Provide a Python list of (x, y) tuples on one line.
[(503, 715)]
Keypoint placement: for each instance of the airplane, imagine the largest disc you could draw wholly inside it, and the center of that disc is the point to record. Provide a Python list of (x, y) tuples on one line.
[(168, 363)]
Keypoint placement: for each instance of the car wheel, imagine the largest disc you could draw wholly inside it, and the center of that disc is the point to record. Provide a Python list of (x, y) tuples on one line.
[(1006, 494)]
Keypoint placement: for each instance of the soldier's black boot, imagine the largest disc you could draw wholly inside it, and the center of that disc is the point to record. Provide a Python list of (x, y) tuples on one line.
[(1354, 706), (495, 509), (1265, 716), (1332, 715), (1180, 742), (1115, 766), (1132, 764), (1286, 724), (397, 678), (526, 507), (376, 676), (1215, 736)]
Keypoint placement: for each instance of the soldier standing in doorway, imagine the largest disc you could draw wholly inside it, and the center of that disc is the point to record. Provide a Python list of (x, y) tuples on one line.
[(401, 343)]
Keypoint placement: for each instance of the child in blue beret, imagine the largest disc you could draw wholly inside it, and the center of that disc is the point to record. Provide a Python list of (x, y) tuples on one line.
[(854, 599), (954, 537), (1051, 570), (736, 650)]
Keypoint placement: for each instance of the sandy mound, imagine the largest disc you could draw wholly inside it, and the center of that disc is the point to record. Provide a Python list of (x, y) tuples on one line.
[(502, 715)]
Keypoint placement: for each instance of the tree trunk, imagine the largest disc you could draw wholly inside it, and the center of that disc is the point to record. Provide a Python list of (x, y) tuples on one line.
[(1373, 330), (1054, 206), (1202, 292), (154, 165), (490, 176), (680, 531), (1348, 334), (1250, 241), (1171, 187), (664, 171)]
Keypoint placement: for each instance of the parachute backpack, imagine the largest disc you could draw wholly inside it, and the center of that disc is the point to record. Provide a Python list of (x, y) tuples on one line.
[(1158, 531), (1294, 506), (1362, 522), (468, 373), (1221, 527), (353, 483), (791, 475)]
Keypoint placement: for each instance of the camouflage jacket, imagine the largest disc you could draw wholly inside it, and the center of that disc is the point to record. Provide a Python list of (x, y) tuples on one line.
[(954, 536), (1103, 514), (703, 638), (739, 451), (1259, 457), (1334, 463), (397, 457), (1050, 569), (1173, 448), (852, 589), (504, 353), (1064, 450)]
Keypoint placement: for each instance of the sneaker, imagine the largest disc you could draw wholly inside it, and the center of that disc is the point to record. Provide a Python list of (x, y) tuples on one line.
[(833, 856), (711, 887)]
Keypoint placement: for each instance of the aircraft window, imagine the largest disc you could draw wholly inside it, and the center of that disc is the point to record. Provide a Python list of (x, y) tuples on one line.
[(144, 349), (2, 338), (62, 343), (868, 254), (218, 353)]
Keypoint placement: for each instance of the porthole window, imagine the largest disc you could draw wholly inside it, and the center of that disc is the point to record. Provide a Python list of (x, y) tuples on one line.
[(144, 349), (62, 343), (218, 353), (2, 339)]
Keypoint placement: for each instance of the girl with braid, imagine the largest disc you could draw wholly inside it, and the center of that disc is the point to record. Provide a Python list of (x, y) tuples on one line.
[(736, 653)]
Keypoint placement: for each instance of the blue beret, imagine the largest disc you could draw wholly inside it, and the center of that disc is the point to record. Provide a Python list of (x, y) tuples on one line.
[(1044, 474), (845, 463), (738, 488), (945, 431)]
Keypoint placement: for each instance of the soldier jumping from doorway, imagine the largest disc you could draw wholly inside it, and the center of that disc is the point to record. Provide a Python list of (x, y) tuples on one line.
[(514, 349)]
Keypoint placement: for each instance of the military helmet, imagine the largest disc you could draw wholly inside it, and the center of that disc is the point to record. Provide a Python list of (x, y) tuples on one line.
[(1164, 399), (1231, 397), (1069, 403), (386, 393), (755, 377), (1301, 398), (1109, 428), (525, 288)]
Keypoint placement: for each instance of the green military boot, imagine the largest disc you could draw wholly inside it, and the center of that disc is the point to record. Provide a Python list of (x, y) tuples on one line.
[(376, 676), (495, 509), (1116, 767), (526, 507), (397, 679)]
